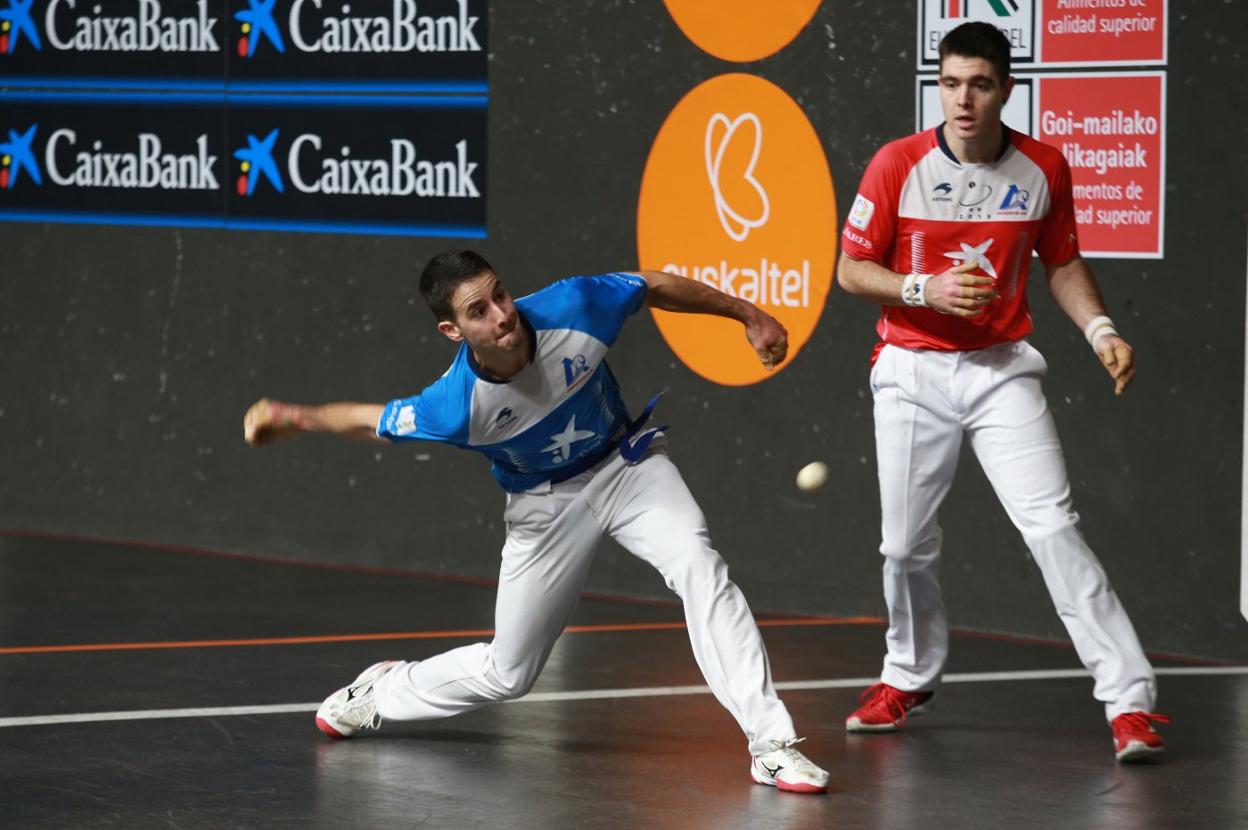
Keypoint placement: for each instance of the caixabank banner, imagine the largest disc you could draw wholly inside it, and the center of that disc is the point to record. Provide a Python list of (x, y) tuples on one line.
[(412, 166), (127, 159), (264, 45), (404, 166)]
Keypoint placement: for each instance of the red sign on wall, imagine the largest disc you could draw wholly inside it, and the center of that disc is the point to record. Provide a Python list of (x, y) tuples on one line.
[(1055, 32), (1111, 127), (1110, 32)]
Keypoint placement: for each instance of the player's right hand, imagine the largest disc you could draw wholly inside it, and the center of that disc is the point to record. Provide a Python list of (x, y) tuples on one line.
[(266, 421), (959, 292)]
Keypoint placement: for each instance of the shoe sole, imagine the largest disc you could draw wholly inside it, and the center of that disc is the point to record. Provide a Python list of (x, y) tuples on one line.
[(1136, 751), (852, 724), (323, 724), (807, 789)]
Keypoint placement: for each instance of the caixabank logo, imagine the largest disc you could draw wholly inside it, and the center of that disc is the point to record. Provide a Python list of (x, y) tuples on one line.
[(396, 44), (362, 163), (79, 155), (17, 156), (133, 39)]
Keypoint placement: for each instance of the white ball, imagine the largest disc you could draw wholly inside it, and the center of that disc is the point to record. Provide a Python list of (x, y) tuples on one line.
[(813, 476)]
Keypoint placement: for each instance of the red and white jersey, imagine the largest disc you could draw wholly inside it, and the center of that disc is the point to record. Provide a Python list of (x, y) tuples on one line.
[(920, 210)]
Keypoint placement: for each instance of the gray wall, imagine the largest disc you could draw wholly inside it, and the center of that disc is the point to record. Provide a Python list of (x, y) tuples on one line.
[(128, 355)]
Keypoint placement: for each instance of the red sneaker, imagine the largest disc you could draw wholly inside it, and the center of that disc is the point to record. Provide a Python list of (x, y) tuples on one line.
[(885, 709), (1134, 737)]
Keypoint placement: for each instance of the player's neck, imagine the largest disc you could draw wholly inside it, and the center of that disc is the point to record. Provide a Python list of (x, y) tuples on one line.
[(505, 364), (982, 149)]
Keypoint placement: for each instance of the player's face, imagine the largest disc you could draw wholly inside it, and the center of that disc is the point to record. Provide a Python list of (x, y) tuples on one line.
[(485, 316), (972, 97)]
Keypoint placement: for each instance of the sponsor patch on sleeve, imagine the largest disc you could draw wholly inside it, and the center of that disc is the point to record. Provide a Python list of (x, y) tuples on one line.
[(862, 211), (405, 423)]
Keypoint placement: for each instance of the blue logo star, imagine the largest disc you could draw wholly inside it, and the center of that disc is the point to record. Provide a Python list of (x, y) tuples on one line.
[(258, 155), (259, 17), (20, 156), (18, 16)]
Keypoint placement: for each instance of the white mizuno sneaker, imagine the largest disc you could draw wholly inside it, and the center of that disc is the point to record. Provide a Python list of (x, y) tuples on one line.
[(353, 708), (787, 769)]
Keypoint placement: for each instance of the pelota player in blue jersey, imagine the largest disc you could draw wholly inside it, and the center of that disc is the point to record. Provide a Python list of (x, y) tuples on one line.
[(530, 388)]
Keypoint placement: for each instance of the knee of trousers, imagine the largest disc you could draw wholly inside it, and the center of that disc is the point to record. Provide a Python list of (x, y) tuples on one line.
[(696, 569), (509, 684), (911, 553), (1070, 568)]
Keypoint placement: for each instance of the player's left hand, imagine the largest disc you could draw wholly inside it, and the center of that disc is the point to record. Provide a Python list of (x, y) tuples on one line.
[(1119, 360), (769, 338)]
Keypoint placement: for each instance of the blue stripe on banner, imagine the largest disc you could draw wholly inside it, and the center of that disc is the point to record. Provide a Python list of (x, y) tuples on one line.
[(76, 218), (466, 87), (195, 98), (359, 101), (313, 226), (216, 84), (251, 100), (431, 87), (301, 226)]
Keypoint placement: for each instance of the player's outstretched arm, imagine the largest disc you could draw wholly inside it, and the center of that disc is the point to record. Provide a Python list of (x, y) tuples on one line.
[(670, 292), (956, 291), (268, 421), (1075, 288)]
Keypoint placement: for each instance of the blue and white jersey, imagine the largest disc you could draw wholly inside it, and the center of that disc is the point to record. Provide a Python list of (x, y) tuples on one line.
[(559, 414)]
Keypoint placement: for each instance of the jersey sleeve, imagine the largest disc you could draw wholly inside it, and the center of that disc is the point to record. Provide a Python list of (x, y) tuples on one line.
[(598, 305), (437, 414), (1059, 236), (872, 222)]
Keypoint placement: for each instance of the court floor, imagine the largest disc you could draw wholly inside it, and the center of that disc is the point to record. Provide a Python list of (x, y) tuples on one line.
[(143, 686)]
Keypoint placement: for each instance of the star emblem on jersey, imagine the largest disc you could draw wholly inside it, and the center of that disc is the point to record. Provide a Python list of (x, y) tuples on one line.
[(976, 254), (561, 442)]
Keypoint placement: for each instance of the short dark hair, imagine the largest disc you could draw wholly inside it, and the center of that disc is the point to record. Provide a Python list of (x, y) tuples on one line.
[(978, 40), (443, 275)]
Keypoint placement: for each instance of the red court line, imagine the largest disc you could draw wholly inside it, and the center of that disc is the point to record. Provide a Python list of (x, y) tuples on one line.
[(791, 618), (377, 570), (400, 635)]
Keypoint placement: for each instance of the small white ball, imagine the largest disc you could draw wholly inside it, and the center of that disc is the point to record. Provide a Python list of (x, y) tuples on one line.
[(813, 476)]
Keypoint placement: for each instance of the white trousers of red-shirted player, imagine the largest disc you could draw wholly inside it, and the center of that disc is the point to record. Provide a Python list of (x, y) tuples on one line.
[(926, 402)]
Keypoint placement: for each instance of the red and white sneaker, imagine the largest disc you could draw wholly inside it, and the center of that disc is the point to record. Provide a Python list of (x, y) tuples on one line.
[(885, 708), (1134, 737), (353, 708), (787, 769)]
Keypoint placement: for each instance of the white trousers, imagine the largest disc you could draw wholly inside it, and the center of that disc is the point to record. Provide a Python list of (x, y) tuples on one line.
[(925, 402), (553, 532)]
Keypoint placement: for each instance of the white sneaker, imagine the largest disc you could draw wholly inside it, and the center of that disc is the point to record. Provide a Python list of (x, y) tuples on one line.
[(787, 769), (353, 708)]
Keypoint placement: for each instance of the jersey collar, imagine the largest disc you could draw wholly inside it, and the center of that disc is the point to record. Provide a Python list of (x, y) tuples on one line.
[(1007, 136)]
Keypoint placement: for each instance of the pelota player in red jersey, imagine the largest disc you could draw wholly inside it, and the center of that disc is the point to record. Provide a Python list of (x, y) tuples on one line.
[(941, 234)]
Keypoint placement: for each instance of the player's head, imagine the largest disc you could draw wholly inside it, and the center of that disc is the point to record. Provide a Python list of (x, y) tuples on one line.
[(978, 40), (470, 302), (444, 273), (974, 79)]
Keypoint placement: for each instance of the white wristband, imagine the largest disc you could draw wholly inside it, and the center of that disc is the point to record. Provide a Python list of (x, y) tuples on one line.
[(914, 290), (1096, 329)]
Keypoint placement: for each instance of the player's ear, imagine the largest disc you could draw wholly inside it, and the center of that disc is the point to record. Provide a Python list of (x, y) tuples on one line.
[(1008, 86), (451, 330)]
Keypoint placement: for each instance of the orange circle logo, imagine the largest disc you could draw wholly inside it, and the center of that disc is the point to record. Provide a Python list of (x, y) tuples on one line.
[(737, 194), (741, 30)]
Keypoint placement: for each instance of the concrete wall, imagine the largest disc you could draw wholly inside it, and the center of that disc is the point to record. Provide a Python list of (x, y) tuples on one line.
[(129, 354)]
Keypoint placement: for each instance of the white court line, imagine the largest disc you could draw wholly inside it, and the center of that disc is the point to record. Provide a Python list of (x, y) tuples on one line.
[(601, 694)]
